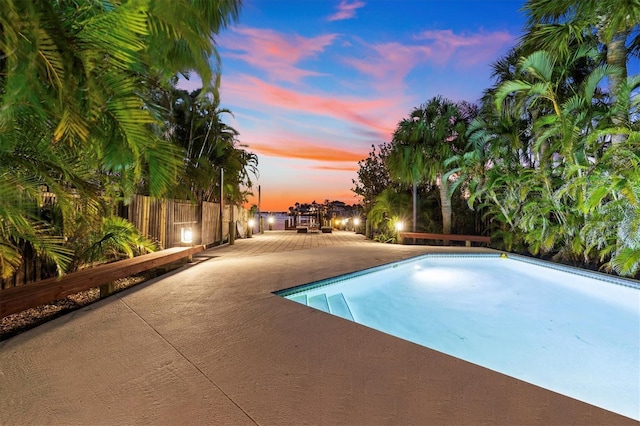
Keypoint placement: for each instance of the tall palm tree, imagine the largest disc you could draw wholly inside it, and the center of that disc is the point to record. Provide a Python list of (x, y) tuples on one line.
[(406, 161), (209, 145), (437, 131)]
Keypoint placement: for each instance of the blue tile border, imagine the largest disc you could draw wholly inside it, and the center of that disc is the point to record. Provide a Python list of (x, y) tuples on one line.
[(516, 257)]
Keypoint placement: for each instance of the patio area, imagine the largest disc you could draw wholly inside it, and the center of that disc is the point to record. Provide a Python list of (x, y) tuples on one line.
[(210, 344)]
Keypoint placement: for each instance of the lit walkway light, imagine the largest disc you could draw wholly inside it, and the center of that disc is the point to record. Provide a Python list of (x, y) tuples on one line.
[(250, 224), (186, 235)]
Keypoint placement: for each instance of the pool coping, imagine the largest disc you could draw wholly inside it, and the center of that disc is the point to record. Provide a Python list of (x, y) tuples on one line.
[(626, 282)]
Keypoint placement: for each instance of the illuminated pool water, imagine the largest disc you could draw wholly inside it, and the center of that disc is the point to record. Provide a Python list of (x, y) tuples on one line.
[(570, 331)]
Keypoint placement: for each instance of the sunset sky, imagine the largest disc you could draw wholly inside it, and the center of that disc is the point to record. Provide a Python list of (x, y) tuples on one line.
[(314, 83)]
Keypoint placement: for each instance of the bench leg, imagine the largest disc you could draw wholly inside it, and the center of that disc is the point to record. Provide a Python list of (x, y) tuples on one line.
[(106, 289)]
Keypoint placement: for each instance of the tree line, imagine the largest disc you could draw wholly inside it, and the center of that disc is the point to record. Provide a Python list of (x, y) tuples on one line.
[(90, 115), (547, 162)]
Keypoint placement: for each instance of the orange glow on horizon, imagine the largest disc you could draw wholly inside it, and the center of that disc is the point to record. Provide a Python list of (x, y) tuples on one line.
[(280, 201), (307, 152)]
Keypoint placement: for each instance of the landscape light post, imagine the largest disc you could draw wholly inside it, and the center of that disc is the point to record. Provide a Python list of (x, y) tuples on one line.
[(399, 228), (250, 225)]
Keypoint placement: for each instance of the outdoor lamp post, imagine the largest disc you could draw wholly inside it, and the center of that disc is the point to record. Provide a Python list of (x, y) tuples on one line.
[(356, 224), (399, 228), (250, 224), (271, 220)]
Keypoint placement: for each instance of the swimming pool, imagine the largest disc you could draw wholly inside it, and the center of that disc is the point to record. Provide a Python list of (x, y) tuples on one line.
[(567, 330)]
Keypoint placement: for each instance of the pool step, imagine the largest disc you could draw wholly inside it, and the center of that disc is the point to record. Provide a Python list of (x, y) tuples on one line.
[(300, 298), (335, 304), (338, 306), (319, 302)]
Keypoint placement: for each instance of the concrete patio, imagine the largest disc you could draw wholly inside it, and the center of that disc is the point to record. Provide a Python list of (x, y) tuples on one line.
[(210, 344)]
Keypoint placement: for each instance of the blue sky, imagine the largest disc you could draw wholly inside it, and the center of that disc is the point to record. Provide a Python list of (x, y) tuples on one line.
[(314, 83)]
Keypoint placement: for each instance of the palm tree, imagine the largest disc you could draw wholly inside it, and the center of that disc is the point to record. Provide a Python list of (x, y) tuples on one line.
[(388, 209), (209, 145), (78, 115), (563, 204), (435, 131), (181, 37), (610, 192), (406, 162), (551, 85), (553, 24), (20, 225)]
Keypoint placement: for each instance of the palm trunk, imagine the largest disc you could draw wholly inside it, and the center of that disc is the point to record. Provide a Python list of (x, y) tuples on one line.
[(445, 204), (617, 56), (415, 204)]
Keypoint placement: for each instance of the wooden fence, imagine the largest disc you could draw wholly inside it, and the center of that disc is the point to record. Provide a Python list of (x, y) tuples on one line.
[(166, 222)]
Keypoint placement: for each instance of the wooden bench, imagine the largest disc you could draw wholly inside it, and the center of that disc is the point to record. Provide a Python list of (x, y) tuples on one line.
[(468, 239), (18, 299), (302, 229)]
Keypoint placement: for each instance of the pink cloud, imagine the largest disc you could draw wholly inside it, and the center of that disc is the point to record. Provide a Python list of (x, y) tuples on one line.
[(274, 52), (379, 114), (391, 62), (346, 10), (466, 50)]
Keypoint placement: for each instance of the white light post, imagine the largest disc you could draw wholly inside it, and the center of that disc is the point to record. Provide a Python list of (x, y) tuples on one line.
[(399, 228), (250, 224)]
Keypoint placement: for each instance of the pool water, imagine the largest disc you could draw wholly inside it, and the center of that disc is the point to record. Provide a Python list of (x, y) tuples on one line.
[(570, 331)]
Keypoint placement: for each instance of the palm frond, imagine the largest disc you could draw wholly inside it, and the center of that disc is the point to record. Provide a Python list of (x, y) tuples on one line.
[(540, 64), (625, 262)]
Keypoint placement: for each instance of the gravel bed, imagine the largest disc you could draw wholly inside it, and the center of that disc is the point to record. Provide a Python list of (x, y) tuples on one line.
[(12, 325)]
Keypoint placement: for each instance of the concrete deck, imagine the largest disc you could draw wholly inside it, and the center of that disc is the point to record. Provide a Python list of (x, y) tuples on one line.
[(210, 344)]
